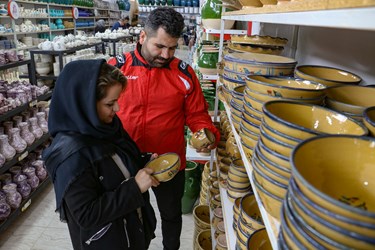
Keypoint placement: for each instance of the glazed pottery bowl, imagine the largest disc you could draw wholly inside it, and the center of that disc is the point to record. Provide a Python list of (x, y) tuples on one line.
[(280, 136), (250, 212), (277, 158), (275, 145), (349, 161), (252, 111), (302, 120), (280, 170), (361, 228), (248, 150), (369, 119), (230, 84), (201, 215), (259, 64), (204, 240), (338, 234), (259, 240), (326, 75), (350, 99), (202, 138), (250, 117), (271, 202), (234, 75), (165, 167), (286, 87), (265, 97), (269, 172), (272, 186)]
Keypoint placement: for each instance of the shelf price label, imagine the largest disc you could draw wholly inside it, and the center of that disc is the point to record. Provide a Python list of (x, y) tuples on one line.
[(27, 204), (13, 10), (75, 12), (23, 156)]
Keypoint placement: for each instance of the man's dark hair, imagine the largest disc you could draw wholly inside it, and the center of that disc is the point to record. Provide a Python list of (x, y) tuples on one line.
[(126, 18), (168, 19)]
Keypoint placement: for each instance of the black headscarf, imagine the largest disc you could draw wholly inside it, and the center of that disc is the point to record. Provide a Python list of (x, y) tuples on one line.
[(74, 123)]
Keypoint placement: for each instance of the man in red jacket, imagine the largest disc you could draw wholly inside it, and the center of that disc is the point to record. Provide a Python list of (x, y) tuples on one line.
[(163, 94)]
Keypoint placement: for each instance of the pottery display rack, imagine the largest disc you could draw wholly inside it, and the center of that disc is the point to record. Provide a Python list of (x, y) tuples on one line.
[(352, 19), (34, 76), (20, 156)]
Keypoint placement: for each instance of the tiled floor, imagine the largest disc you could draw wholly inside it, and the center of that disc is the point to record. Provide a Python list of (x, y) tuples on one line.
[(39, 228)]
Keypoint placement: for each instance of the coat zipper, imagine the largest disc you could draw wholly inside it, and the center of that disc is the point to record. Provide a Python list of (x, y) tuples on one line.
[(126, 233), (99, 234)]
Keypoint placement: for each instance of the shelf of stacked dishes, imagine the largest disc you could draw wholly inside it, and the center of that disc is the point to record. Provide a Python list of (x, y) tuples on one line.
[(353, 18)]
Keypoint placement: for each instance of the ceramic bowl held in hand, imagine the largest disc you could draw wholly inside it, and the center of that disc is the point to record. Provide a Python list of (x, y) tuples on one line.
[(165, 166), (202, 139)]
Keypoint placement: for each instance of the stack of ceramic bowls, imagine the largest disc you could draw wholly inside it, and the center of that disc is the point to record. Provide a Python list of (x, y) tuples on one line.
[(260, 89), (369, 119), (201, 215), (285, 124), (350, 100), (326, 75), (330, 202), (203, 196), (249, 220), (258, 44), (236, 105), (238, 184)]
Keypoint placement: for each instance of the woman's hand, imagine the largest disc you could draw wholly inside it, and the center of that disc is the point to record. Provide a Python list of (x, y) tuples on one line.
[(145, 180), (154, 156)]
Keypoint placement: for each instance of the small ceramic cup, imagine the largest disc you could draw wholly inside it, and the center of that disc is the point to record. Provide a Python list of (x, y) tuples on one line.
[(202, 139)]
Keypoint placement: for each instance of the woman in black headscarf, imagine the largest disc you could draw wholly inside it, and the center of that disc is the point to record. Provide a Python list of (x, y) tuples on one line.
[(96, 168)]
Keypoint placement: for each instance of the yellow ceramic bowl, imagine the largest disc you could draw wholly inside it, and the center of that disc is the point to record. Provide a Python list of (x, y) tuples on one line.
[(259, 240), (253, 102), (236, 185), (165, 167), (285, 172), (248, 150), (234, 75), (369, 119), (355, 226), (273, 156), (249, 109), (250, 126), (250, 212), (251, 118), (272, 186), (248, 132), (280, 136), (326, 75), (259, 64), (350, 162), (201, 215), (275, 145), (248, 140), (350, 99), (301, 120), (338, 234), (204, 240), (271, 202), (286, 87), (269, 172), (230, 84), (265, 98)]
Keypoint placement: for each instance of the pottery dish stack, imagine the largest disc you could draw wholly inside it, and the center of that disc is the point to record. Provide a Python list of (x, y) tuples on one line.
[(330, 202)]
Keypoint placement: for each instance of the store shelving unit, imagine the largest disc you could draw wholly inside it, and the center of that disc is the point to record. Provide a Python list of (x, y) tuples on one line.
[(362, 19), (192, 155), (227, 208)]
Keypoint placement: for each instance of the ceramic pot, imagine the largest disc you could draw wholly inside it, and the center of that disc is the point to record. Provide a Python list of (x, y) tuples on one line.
[(6, 149), (32, 179), (39, 169), (14, 198), (26, 134), (34, 128), (16, 141), (41, 116), (22, 186), (211, 15), (192, 186), (4, 208)]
